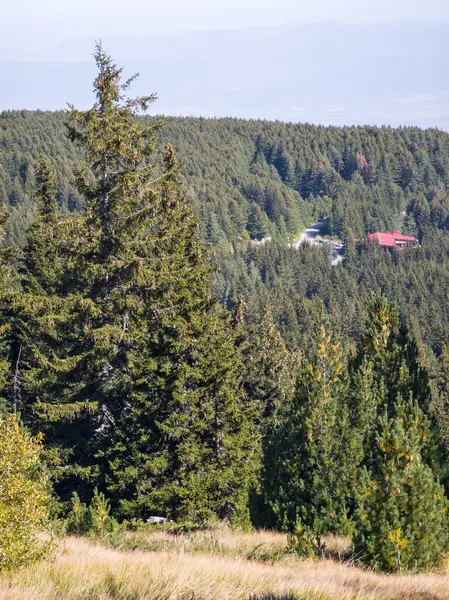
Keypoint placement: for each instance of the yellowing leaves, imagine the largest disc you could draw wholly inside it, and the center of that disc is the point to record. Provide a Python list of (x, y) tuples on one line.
[(24, 496), (397, 540), (385, 447)]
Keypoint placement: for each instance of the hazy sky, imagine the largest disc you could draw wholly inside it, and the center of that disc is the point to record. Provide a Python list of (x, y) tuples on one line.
[(207, 74), (264, 10), (59, 18), (26, 26)]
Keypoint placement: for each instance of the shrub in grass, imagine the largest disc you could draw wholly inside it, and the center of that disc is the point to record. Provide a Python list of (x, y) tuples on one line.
[(24, 497)]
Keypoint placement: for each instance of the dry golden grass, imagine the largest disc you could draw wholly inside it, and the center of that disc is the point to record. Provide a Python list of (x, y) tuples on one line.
[(219, 541), (266, 546), (84, 570)]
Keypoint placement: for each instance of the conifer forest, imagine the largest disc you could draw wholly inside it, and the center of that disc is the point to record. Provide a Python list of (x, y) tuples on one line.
[(170, 351)]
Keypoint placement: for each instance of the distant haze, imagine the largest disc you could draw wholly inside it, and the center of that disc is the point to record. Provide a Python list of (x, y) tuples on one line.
[(331, 73), (26, 21)]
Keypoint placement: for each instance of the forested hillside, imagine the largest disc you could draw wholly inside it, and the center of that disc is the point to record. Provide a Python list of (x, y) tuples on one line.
[(373, 175), (249, 179), (203, 367)]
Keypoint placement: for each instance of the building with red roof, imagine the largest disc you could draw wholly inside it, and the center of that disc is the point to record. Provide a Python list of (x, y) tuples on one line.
[(392, 240)]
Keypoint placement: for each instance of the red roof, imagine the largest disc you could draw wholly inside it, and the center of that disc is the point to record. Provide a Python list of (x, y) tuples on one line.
[(389, 240)]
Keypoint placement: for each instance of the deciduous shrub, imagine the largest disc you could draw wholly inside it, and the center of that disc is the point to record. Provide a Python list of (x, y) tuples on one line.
[(24, 497)]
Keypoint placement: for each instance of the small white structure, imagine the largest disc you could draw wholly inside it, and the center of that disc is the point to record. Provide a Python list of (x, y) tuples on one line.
[(158, 520)]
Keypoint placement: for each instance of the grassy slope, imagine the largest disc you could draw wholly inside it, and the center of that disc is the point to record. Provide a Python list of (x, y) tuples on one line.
[(207, 566)]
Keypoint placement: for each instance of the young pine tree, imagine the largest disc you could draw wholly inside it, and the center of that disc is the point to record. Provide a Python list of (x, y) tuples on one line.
[(393, 354), (24, 497), (401, 520), (311, 463), (401, 508), (388, 365)]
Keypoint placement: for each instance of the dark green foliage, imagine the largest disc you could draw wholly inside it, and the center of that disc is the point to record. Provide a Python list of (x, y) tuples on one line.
[(270, 368), (257, 222), (9, 284), (48, 317), (41, 263), (269, 376), (131, 369)]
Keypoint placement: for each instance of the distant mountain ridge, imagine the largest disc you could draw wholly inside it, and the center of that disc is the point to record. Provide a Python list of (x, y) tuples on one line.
[(322, 73)]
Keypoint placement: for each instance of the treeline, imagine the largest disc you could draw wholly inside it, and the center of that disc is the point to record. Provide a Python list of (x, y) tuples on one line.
[(365, 178)]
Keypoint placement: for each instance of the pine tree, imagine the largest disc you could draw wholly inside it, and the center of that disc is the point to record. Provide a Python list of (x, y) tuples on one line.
[(401, 518), (312, 461), (270, 368), (401, 508), (269, 376), (387, 365), (257, 222)]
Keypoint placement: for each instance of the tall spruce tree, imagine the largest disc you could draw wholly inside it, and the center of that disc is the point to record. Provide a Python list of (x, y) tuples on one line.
[(39, 278), (178, 439), (48, 316), (138, 341)]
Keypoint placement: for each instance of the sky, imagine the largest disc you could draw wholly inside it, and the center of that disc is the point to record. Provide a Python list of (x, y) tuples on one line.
[(27, 26), (28, 22), (406, 61), (208, 11)]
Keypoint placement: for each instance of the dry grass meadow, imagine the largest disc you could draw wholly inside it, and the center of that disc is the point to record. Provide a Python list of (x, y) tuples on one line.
[(215, 565)]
